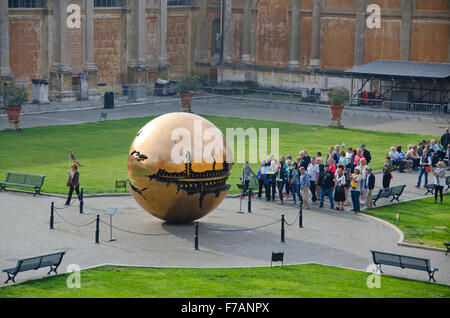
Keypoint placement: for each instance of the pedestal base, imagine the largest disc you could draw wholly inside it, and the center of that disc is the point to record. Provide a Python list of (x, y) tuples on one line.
[(13, 125), (336, 123)]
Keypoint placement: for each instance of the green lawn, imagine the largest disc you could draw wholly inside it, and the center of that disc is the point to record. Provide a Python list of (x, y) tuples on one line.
[(103, 148), (421, 221), (301, 281)]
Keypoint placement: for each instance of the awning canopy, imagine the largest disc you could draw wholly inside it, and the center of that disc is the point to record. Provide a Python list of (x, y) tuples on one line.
[(396, 69)]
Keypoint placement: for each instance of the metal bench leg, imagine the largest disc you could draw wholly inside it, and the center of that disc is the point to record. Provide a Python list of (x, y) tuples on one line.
[(53, 269), (379, 268), (10, 277), (431, 274)]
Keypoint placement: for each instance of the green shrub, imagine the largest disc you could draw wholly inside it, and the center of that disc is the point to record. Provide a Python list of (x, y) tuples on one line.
[(338, 96), (188, 84), (14, 96)]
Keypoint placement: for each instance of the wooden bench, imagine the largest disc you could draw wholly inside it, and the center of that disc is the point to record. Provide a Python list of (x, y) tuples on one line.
[(23, 180), (393, 192), (402, 261), (430, 187), (34, 263)]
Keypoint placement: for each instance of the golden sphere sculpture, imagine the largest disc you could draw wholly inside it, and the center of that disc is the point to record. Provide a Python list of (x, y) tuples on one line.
[(175, 172)]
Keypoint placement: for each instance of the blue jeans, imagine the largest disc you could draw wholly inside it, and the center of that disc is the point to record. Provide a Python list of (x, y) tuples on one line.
[(296, 191), (326, 192), (421, 173), (355, 200)]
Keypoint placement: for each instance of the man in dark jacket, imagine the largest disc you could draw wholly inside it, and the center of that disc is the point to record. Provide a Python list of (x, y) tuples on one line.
[(74, 183), (326, 183), (445, 139), (366, 153), (370, 185)]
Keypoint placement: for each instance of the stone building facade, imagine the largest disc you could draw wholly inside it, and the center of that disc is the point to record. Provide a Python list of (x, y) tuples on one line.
[(289, 44)]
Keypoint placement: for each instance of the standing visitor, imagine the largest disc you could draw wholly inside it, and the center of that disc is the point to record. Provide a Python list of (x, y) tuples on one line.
[(314, 172), (247, 172), (339, 193), (260, 176), (356, 190), (366, 154), (439, 182), (425, 167), (387, 173), (304, 186), (326, 183), (370, 185), (280, 179), (296, 183), (73, 183)]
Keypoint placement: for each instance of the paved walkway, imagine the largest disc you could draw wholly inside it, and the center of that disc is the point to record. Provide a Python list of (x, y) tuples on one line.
[(338, 239), (226, 107)]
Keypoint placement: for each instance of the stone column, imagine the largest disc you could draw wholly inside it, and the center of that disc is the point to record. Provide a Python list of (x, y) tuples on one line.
[(61, 70), (163, 65), (294, 41), (405, 32), (202, 33), (6, 75), (88, 35), (246, 32), (138, 66), (315, 35), (227, 49), (360, 32)]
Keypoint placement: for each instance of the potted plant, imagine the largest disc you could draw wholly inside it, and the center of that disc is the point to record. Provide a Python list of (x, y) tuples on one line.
[(13, 98), (337, 97), (187, 86)]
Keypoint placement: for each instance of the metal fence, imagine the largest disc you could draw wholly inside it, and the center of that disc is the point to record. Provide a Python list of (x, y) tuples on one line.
[(396, 106)]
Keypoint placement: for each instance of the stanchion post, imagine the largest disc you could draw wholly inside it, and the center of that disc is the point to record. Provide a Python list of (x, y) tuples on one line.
[(196, 236), (81, 201), (282, 229), (250, 193), (300, 216), (97, 230), (52, 216)]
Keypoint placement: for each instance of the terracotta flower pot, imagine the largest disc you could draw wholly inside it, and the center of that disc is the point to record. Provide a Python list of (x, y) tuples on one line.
[(13, 112), (336, 111), (186, 98)]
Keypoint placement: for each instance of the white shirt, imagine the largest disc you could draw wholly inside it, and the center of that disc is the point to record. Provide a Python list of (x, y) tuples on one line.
[(440, 181), (313, 170)]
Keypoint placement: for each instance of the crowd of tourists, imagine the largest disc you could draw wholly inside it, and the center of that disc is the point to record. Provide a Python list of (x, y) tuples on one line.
[(344, 176)]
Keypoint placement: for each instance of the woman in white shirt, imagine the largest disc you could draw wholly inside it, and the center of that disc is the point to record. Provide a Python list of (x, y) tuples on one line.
[(439, 182)]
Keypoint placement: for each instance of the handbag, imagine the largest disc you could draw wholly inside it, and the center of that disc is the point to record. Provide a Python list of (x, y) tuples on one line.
[(427, 169), (68, 182)]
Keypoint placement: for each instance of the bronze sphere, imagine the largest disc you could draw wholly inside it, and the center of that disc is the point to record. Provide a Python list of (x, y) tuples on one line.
[(183, 191)]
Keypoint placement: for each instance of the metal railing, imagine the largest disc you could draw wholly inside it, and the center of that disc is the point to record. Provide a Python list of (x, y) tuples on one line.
[(387, 105)]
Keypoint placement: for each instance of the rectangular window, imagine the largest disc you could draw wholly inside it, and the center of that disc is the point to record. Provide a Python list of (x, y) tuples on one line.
[(108, 3), (25, 4), (179, 2)]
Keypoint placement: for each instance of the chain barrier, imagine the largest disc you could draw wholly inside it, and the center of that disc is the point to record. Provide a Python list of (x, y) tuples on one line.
[(239, 230), (76, 225), (293, 223), (131, 232)]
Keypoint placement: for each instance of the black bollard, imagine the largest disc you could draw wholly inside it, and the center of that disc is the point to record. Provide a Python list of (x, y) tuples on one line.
[(300, 216), (81, 201), (97, 230), (196, 236), (52, 216), (282, 229), (250, 193)]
